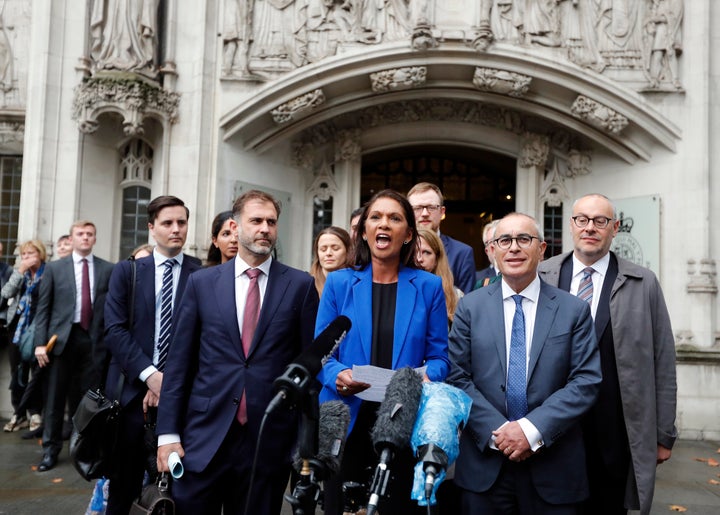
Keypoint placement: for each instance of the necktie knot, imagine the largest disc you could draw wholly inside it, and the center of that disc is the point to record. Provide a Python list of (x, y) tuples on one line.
[(253, 273), (518, 300), (169, 264)]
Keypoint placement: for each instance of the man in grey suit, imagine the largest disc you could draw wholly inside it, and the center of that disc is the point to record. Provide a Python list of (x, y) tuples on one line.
[(631, 429), (525, 352), (70, 305)]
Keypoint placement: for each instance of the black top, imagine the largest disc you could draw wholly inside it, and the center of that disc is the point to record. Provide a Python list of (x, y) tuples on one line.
[(384, 299)]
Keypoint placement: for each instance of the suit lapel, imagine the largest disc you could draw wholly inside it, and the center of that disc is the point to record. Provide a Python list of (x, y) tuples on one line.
[(274, 292), (496, 330), (225, 296), (145, 281), (566, 273), (404, 308), (602, 315), (362, 306), (544, 318)]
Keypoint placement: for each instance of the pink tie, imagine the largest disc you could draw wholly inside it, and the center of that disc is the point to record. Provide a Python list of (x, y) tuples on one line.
[(85, 301), (250, 318)]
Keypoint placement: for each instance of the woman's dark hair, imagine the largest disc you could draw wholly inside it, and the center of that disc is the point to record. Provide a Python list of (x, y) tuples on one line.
[(213, 256), (362, 255)]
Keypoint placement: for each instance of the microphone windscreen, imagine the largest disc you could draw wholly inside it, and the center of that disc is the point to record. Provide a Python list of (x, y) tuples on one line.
[(396, 414), (443, 409), (332, 432), (313, 358)]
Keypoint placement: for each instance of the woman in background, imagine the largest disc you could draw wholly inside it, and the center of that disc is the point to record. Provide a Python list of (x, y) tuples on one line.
[(224, 246), (331, 251), (399, 320), (24, 285), (431, 257)]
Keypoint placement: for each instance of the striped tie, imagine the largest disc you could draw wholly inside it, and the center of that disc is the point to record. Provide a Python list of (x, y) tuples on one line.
[(166, 309), (585, 290)]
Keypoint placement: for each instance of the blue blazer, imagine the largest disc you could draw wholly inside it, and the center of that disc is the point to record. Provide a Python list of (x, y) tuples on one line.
[(462, 262), (132, 350), (207, 371), (421, 326), (563, 383)]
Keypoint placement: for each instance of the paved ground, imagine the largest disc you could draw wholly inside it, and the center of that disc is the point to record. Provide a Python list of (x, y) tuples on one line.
[(683, 481)]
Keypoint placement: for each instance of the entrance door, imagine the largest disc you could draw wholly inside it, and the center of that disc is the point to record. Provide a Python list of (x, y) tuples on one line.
[(478, 186)]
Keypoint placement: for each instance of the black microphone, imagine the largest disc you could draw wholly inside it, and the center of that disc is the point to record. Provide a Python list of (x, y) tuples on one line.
[(295, 382), (332, 433), (393, 427)]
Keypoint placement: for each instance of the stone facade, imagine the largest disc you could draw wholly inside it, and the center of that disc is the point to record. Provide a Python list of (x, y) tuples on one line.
[(618, 97)]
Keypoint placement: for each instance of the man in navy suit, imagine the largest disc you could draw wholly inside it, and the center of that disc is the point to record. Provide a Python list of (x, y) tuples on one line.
[(525, 352), (427, 202), (135, 350), (70, 304), (488, 275), (220, 371)]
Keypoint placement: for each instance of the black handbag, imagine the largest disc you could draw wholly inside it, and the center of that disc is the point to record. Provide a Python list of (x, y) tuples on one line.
[(96, 422), (92, 444), (155, 499)]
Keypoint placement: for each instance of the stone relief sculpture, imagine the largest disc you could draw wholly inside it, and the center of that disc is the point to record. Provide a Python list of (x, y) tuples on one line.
[(639, 40), (237, 36), (664, 42), (6, 56), (124, 35)]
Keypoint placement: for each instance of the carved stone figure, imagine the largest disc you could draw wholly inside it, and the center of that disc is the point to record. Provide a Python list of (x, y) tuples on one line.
[(505, 20), (663, 28), (619, 39), (237, 36), (280, 31), (397, 19), (541, 22), (6, 58), (124, 35)]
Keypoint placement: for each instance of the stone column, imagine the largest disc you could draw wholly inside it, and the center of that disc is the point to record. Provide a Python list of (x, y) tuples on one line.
[(531, 165), (348, 164)]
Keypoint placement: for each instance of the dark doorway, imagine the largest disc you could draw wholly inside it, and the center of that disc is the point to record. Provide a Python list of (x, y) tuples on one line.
[(478, 186)]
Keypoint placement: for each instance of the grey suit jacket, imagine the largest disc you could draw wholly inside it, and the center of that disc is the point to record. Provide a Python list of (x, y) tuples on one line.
[(57, 298), (563, 382)]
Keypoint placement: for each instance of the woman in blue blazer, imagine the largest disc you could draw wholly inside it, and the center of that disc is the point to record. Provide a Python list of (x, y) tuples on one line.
[(399, 319)]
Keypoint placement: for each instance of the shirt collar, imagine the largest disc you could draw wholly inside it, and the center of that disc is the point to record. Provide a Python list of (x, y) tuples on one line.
[(77, 258), (600, 266), (241, 266), (160, 258), (531, 291)]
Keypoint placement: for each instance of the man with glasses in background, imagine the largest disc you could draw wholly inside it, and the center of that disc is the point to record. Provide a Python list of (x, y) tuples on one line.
[(632, 426), (427, 202)]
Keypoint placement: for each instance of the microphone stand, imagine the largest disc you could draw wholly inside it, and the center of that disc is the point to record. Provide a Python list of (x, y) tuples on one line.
[(306, 492)]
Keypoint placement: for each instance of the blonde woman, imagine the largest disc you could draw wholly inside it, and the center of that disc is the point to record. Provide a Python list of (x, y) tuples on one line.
[(432, 258), (331, 251)]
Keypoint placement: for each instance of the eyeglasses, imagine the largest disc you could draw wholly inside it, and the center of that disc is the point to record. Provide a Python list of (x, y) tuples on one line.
[(431, 208), (523, 240), (600, 222)]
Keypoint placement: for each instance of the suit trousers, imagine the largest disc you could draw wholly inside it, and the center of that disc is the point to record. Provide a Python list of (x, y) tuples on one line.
[(74, 364), (223, 486), (513, 493), (129, 466)]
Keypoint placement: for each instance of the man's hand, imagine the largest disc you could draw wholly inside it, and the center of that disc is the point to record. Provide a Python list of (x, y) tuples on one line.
[(663, 454), (42, 356), (150, 401), (154, 383), (511, 441), (164, 452)]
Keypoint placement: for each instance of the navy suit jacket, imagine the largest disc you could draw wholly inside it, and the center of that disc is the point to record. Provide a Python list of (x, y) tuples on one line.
[(206, 371), (563, 383), (462, 262), (132, 350), (420, 333)]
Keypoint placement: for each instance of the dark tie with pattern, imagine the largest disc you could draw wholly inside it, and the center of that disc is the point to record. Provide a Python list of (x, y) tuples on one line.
[(166, 312), (85, 300), (250, 319), (516, 395), (585, 289)]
